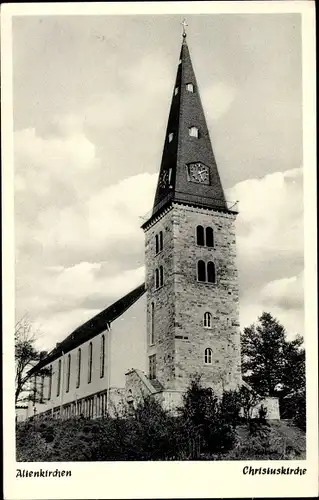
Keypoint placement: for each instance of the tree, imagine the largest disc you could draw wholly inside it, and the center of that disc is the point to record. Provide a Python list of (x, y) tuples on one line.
[(208, 422), (26, 356), (271, 364)]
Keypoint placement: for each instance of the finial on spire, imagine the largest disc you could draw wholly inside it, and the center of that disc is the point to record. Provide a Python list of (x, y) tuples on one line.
[(184, 24)]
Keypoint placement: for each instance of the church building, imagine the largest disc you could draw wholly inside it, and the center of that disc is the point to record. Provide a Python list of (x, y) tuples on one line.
[(186, 312)]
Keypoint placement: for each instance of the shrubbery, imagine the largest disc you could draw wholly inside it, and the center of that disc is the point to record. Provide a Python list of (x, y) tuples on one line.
[(204, 428)]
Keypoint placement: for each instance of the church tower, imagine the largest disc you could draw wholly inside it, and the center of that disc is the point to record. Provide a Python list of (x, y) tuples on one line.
[(190, 250)]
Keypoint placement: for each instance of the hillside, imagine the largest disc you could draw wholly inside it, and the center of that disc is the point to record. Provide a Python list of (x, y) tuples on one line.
[(90, 440)]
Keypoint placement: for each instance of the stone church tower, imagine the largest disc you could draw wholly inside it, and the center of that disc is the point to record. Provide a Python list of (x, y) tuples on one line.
[(191, 274)]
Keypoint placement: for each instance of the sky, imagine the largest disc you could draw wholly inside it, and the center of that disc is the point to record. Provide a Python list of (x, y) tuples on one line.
[(91, 97)]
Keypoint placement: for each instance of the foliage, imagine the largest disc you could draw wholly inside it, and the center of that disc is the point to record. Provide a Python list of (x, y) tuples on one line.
[(271, 364), (209, 422), (26, 356), (248, 400)]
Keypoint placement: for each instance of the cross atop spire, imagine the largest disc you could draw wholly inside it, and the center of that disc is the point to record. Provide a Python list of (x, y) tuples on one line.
[(184, 24)]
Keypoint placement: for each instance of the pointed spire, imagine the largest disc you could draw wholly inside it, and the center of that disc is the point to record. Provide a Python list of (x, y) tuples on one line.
[(188, 172)]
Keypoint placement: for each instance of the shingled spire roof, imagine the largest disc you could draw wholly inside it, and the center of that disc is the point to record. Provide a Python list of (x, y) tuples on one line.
[(188, 172)]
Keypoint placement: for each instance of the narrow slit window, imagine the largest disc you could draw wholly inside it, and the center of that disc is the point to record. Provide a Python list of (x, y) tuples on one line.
[(201, 270), (152, 366), (50, 382), (193, 131), (156, 244), (156, 279), (78, 378), (42, 389), (211, 274), (90, 363), (161, 276), (152, 336), (209, 237), (68, 373), (207, 320), (200, 236), (176, 90), (190, 87), (161, 241), (169, 176), (58, 378), (170, 137), (102, 356), (208, 356)]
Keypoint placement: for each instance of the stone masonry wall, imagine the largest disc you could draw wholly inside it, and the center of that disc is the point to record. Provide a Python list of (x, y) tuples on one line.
[(194, 298), (163, 299), (181, 303)]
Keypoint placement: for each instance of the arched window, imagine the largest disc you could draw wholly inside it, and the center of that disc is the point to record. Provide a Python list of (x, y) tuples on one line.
[(201, 270), (200, 236), (156, 244), (90, 363), (156, 279), (78, 378), (59, 378), (42, 388), (160, 241), (209, 237), (68, 373), (161, 276), (152, 366), (211, 276), (102, 356), (208, 356), (50, 382), (152, 338), (207, 320)]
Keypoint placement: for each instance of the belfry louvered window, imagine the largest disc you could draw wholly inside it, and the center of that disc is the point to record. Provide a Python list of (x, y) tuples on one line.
[(200, 240), (211, 275), (206, 273), (204, 236), (209, 237)]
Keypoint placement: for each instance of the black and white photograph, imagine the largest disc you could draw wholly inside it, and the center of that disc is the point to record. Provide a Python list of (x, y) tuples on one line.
[(159, 234)]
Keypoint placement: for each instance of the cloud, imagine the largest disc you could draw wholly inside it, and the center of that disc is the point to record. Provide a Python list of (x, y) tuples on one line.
[(217, 99), (80, 246), (286, 293), (270, 247)]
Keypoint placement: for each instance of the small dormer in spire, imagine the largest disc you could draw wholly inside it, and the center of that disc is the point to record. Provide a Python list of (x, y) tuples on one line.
[(188, 172)]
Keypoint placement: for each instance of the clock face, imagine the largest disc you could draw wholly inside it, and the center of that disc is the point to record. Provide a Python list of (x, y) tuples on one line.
[(197, 172)]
